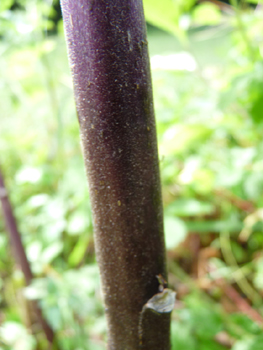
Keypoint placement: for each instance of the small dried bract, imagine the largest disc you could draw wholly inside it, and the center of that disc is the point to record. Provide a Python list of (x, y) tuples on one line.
[(162, 302)]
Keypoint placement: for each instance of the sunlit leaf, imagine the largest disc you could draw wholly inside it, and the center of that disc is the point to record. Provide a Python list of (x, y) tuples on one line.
[(79, 250), (189, 207), (179, 138), (51, 252), (175, 231), (207, 14), (166, 14), (5, 5), (16, 336)]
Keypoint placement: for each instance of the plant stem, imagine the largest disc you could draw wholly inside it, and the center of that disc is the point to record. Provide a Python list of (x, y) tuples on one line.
[(108, 54), (20, 255)]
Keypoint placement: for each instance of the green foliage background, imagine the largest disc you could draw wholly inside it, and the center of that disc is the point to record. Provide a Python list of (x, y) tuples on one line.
[(207, 71)]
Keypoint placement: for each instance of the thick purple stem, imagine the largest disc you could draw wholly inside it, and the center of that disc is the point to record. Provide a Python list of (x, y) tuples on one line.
[(108, 53)]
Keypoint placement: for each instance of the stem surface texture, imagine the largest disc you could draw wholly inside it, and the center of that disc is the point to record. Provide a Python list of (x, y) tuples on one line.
[(108, 54)]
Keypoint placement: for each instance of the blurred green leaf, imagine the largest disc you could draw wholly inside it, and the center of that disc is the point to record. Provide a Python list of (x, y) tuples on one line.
[(78, 222), (28, 174), (249, 343), (207, 13), (164, 15), (253, 185), (38, 200), (258, 278), (238, 251), (36, 291), (180, 138), (256, 107), (189, 207), (79, 250), (51, 252), (182, 336), (245, 323), (167, 14), (254, 1), (231, 225), (207, 344), (5, 5), (175, 231), (211, 319), (54, 317), (16, 336)]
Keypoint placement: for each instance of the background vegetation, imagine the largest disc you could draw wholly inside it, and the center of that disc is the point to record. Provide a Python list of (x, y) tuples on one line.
[(207, 70)]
